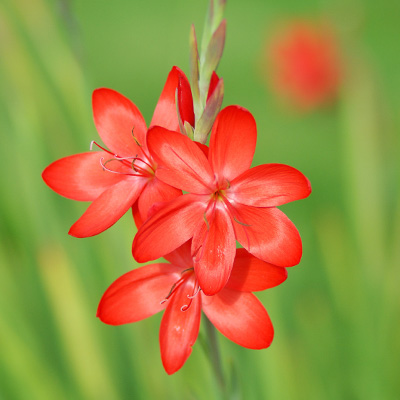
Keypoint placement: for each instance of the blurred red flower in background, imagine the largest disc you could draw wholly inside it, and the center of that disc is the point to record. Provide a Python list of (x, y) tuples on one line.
[(304, 64), (234, 311)]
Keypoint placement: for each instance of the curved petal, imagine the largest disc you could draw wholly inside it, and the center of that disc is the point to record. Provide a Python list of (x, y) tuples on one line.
[(213, 84), (182, 256), (138, 294), (232, 142), (108, 208), (203, 148), (181, 163), (136, 215), (80, 177), (250, 274), (168, 228), (185, 101), (179, 329), (116, 119), (269, 185), (240, 317), (214, 248), (154, 192), (268, 234), (165, 113)]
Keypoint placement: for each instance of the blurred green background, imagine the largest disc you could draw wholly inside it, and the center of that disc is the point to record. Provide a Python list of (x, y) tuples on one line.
[(336, 319)]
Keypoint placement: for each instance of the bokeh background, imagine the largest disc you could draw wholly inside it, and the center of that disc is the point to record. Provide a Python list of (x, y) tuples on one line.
[(336, 318)]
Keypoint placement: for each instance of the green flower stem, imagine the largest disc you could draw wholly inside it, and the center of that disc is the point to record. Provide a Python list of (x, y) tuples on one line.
[(215, 357)]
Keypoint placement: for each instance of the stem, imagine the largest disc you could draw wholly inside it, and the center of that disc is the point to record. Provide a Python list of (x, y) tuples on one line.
[(215, 357)]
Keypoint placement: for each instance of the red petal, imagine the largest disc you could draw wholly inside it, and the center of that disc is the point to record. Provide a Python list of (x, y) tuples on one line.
[(249, 274), (268, 234), (165, 114), (213, 84), (203, 148), (185, 101), (108, 208), (136, 215), (214, 247), (179, 329), (182, 256), (169, 228), (182, 163), (269, 185), (233, 142), (240, 317), (154, 192), (80, 177), (137, 294), (115, 116)]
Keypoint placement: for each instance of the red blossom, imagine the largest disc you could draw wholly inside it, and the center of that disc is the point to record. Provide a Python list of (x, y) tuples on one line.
[(226, 201), (115, 180), (234, 311), (305, 64)]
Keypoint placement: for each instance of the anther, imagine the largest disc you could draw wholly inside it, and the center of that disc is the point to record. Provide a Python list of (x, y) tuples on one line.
[(100, 147), (206, 221), (241, 223)]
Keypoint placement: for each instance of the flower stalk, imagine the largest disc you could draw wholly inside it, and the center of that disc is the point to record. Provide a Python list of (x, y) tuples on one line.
[(202, 68), (214, 357)]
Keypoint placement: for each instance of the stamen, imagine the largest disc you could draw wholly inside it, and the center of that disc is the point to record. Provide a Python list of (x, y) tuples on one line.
[(125, 158), (139, 144), (241, 223), (143, 161), (140, 169), (232, 212), (101, 147), (186, 270), (134, 137), (170, 291), (174, 287), (196, 290), (208, 224), (194, 294), (103, 164), (206, 221)]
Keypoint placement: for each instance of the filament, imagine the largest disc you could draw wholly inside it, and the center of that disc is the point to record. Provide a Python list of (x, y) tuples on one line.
[(196, 290), (103, 164), (232, 212)]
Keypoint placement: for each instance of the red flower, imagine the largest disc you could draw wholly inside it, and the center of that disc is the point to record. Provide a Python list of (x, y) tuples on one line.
[(305, 64), (124, 177), (234, 311), (226, 202)]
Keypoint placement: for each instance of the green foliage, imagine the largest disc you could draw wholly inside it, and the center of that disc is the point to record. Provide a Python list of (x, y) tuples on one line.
[(336, 318)]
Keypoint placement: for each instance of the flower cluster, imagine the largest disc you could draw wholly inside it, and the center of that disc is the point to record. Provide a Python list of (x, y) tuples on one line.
[(191, 204)]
